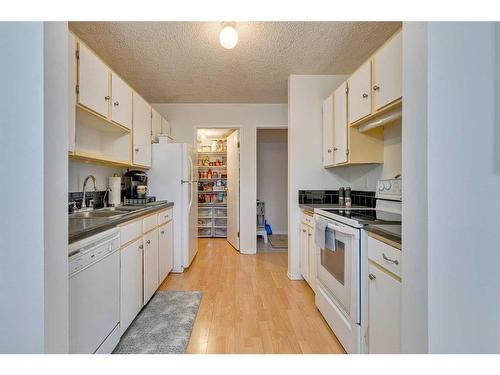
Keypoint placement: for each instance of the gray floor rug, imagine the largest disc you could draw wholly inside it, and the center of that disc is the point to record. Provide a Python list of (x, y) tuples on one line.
[(278, 240), (163, 326)]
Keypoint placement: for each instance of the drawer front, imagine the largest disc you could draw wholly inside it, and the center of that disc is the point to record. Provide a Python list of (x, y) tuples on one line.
[(307, 219), (130, 231), (204, 232), (164, 217), (385, 256), (205, 212), (220, 212), (149, 223)]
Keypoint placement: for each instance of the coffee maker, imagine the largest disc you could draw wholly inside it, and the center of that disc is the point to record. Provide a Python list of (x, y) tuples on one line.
[(135, 183)]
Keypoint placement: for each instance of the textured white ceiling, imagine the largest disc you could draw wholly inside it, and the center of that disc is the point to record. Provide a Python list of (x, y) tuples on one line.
[(183, 62)]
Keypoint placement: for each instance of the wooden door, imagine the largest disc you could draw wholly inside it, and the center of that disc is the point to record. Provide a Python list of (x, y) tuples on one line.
[(360, 93), (121, 107), (384, 311), (340, 149), (156, 121), (141, 131), (233, 190), (328, 135), (165, 248), (93, 82), (388, 69), (131, 300), (150, 264)]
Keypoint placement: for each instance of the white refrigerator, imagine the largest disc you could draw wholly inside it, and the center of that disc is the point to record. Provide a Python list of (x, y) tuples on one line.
[(173, 177)]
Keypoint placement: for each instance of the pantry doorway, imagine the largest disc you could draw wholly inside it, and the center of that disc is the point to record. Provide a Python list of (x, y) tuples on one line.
[(218, 170)]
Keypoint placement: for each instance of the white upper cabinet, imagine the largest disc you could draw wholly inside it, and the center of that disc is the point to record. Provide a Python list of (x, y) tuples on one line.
[(72, 71), (388, 67), (141, 132), (340, 148), (121, 108), (328, 131), (93, 82), (360, 93), (156, 122), (165, 127)]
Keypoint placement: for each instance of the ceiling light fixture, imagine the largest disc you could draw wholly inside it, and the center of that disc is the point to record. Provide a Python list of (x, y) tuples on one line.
[(228, 35)]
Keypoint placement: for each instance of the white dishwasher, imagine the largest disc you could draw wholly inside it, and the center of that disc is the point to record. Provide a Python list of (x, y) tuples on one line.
[(94, 293)]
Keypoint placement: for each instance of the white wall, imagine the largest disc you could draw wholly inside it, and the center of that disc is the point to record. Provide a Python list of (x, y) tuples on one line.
[(33, 224), (272, 176), (79, 170), (185, 118), (305, 166)]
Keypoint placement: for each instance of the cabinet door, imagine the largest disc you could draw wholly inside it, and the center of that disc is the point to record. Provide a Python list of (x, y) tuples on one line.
[(360, 93), (121, 109), (304, 252), (131, 300), (150, 264), (384, 312), (388, 77), (93, 82), (72, 79), (312, 258), (328, 131), (156, 121), (165, 246), (141, 131), (340, 125), (165, 127)]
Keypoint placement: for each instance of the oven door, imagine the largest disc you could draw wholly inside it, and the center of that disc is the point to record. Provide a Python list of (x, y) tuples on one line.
[(338, 266)]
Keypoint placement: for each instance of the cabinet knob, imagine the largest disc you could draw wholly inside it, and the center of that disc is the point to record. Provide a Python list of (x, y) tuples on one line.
[(116, 104), (148, 242), (335, 149), (162, 232), (137, 149), (376, 88), (303, 230), (372, 276), (141, 247), (107, 97), (329, 150), (365, 95)]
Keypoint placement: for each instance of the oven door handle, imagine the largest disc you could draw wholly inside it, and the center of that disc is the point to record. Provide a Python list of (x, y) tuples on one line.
[(343, 229)]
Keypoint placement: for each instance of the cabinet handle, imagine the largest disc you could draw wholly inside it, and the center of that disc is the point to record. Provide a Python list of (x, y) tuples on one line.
[(309, 234), (116, 104), (365, 95), (376, 88), (107, 97), (137, 149), (372, 276), (329, 150), (335, 149), (390, 260), (148, 242), (141, 247), (162, 232)]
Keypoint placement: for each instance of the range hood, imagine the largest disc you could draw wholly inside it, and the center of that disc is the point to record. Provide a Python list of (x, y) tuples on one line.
[(385, 119)]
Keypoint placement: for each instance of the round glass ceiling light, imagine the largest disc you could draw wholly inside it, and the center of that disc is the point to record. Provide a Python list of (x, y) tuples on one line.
[(228, 36)]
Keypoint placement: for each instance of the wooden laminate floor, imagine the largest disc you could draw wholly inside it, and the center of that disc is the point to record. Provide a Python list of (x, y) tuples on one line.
[(249, 305)]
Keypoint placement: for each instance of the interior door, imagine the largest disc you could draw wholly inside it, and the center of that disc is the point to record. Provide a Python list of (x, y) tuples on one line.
[(340, 125), (93, 81), (328, 136), (360, 93), (233, 190), (121, 108)]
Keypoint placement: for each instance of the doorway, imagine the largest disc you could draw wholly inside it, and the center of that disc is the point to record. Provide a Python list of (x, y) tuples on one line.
[(272, 190), (218, 170)]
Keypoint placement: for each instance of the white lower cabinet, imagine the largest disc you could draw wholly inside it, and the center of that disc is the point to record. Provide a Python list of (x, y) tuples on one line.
[(165, 247), (131, 301), (308, 251), (150, 264), (384, 310)]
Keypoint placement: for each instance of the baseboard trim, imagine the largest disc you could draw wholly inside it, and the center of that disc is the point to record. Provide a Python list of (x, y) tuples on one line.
[(294, 277)]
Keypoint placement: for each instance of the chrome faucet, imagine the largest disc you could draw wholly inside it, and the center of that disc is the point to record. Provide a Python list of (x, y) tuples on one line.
[(85, 188)]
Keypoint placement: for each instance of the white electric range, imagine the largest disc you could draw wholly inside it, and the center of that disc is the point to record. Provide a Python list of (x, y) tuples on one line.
[(342, 261)]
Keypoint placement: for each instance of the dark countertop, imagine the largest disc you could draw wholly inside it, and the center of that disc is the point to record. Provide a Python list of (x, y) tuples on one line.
[(86, 227), (311, 206), (384, 236)]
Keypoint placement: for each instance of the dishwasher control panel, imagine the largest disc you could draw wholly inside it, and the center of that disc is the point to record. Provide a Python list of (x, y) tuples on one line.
[(92, 250)]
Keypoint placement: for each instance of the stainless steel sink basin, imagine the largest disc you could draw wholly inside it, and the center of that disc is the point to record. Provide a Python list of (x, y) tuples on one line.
[(96, 213)]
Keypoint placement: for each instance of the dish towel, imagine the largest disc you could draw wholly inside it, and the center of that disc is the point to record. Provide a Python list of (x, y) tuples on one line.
[(320, 232)]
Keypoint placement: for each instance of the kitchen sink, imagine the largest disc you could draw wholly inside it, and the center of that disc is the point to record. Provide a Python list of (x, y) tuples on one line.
[(105, 212)]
